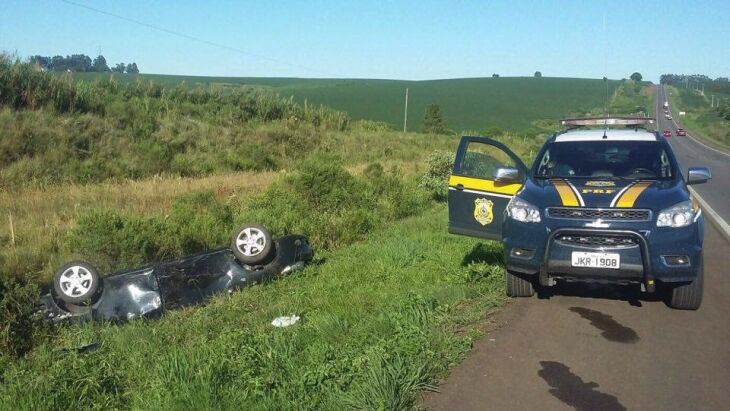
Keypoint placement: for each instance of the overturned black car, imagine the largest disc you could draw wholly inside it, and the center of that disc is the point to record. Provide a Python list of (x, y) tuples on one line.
[(80, 294)]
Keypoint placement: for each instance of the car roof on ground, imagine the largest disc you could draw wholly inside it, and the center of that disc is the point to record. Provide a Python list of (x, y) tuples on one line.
[(618, 134)]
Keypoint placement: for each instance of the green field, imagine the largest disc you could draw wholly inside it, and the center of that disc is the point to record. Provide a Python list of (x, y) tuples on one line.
[(510, 103)]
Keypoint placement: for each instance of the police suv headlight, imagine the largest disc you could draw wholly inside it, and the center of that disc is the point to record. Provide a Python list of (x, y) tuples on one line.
[(523, 211), (678, 215)]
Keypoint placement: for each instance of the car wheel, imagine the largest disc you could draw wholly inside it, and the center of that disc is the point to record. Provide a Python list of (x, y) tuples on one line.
[(518, 287), (252, 245), (689, 296), (76, 282)]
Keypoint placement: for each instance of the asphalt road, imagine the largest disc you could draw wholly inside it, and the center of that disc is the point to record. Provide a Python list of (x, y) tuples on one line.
[(608, 348), (692, 152), (599, 348)]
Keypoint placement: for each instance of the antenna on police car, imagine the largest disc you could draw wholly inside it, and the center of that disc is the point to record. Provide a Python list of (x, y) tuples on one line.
[(605, 78)]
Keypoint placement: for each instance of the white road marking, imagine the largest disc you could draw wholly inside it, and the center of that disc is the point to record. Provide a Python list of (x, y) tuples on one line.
[(714, 216)]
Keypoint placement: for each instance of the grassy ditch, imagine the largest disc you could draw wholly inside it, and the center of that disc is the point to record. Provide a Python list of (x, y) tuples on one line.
[(381, 320), (391, 302)]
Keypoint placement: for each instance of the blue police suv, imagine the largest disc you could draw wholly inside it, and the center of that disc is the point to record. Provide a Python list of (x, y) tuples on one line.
[(605, 201)]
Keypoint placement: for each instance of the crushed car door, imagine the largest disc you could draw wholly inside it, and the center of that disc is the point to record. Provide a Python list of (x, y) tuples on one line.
[(486, 175)]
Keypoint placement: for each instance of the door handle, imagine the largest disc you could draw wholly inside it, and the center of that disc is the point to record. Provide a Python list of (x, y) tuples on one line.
[(460, 187)]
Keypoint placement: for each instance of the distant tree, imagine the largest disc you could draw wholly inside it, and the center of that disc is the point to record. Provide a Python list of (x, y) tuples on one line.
[(119, 68), (41, 61), (58, 63), (132, 68), (538, 74), (636, 76), (495, 75), (100, 65), (79, 62), (433, 120)]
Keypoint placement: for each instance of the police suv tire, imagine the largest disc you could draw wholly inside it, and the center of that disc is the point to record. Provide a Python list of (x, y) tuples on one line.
[(252, 244), (518, 287), (689, 296), (77, 282)]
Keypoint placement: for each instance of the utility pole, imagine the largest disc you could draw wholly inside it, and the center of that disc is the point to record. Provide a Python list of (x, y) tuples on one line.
[(405, 114)]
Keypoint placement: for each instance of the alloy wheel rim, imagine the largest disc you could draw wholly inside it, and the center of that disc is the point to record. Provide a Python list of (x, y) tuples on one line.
[(76, 281), (251, 241)]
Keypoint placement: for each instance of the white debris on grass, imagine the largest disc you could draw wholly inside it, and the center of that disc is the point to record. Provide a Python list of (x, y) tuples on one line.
[(285, 321)]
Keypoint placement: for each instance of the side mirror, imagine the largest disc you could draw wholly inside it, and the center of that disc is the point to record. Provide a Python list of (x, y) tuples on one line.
[(507, 175), (698, 175)]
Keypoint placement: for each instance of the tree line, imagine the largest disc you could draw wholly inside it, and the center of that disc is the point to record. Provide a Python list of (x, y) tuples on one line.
[(718, 85), (81, 63)]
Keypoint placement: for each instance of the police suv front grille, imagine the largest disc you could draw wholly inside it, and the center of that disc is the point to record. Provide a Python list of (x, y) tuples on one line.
[(606, 214), (598, 240)]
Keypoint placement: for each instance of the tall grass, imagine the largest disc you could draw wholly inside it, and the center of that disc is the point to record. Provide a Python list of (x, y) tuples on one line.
[(57, 130)]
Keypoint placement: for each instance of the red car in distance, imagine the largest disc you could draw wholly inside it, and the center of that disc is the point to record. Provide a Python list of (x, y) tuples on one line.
[(667, 133), (681, 132)]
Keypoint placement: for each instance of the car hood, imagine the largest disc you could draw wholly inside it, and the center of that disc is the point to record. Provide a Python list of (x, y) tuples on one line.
[(581, 192)]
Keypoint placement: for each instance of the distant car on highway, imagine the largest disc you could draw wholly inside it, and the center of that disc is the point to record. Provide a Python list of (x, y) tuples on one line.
[(669, 117), (681, 132), (667, 133), (605, 201)]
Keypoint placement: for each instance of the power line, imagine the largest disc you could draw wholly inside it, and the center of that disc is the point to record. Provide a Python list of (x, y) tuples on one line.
[(197, 39)]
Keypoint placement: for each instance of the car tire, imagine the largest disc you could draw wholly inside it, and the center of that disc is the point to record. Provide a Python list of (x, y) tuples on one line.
[(77, 282), (518, 287), (253, 245), (689, 296)]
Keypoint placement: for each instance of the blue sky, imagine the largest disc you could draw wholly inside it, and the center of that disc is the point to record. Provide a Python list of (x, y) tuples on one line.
[(385, 39)]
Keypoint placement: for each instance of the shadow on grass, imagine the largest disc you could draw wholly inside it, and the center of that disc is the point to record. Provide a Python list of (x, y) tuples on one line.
[(480, 253)]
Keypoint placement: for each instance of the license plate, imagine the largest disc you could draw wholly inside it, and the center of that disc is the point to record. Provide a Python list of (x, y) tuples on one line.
[(595, 260)]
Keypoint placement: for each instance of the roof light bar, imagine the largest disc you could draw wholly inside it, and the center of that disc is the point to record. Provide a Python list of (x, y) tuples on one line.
[(607, 121)]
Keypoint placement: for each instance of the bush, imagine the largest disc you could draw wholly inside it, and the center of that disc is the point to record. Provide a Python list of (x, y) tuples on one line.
[(373, 126), (493, 131), (326, 186), (17, 322), (111, 240), (333, 207), (435, 180), (198, 221)]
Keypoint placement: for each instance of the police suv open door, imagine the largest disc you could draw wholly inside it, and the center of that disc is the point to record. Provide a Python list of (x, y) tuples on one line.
[(485, 177)]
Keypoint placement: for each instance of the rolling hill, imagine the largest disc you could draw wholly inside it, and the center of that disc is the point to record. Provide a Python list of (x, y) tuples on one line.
[(511, 103)]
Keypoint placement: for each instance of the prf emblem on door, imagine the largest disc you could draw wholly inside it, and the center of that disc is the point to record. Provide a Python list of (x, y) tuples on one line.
[(483, 211)]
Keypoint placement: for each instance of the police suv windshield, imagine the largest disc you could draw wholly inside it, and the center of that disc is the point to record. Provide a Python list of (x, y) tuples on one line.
[(605, 159)]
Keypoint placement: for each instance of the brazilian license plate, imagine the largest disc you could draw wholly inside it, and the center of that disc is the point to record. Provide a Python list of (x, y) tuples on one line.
[(595, 260)]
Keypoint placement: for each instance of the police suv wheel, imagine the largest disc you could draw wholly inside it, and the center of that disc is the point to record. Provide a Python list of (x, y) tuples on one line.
[(689, 296), (76, 282), (252, 244), (518, 287)]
